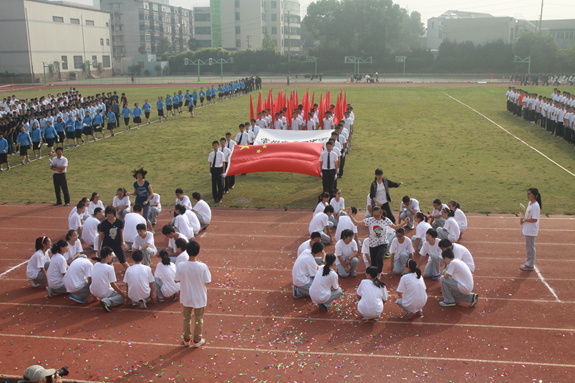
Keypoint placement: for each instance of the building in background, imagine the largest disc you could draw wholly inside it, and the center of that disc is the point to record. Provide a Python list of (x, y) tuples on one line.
[(137, 26), (59, 39), (563, 30), (203, 27)]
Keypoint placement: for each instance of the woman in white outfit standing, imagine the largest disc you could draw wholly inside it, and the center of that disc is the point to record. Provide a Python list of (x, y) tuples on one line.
[(531, 227)]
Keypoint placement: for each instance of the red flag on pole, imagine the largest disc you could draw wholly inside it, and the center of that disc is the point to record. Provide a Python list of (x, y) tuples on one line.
[(259, 109), (289, 157), (251, 108), (321, 112), (345, 102), (289, 112), (313, 99)]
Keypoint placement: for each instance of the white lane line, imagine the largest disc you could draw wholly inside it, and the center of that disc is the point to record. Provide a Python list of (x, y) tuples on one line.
[(546, 284), (511, 134), (13, 268)]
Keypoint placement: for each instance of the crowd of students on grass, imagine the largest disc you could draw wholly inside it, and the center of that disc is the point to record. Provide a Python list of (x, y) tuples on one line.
[(70, 119), (544, 79), (555, 113)]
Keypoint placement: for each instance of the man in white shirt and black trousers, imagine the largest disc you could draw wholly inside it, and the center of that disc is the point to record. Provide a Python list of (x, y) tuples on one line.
[(329, 168), (59, 166), (216, 160)]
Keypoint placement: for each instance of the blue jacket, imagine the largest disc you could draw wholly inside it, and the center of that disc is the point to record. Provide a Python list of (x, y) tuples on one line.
[(49, 132), (24, 138)]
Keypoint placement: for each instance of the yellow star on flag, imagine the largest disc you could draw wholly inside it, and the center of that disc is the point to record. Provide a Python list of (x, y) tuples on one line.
[(265, 146), (242, 147), (259, 151)]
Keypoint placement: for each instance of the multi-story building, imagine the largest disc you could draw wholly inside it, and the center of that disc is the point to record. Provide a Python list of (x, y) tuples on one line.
[(56, 39), (563, 30), (137, 26), (242, 24)]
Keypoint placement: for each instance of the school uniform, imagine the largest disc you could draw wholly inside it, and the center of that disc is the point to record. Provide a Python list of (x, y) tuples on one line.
[(370, 305), (227, 153), (160, 108), (345, 251), (55, 274), (111, 120), (325, 289), (147, 108), (459, 285), (434, 260), (87, 126), (202, 96), (138, 278), (59, 179), (137, 113), (530, 231), (76, 278), (126, 113), (401, 253), (193, 277), (328, 170), (154, 210), (3, 151), (102, 277), (59, 126), (450, 230), (242, 138), (303, 273), (164, 281), (216, 160), (404, 213), (414, 297)]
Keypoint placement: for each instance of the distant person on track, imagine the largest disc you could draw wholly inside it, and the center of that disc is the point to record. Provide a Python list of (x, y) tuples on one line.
[(379, 193), (166, 286), (104, 283), (305, 269), (59, 166), (450, 229), (531, 227), (315, 237), (456, 282), (459, 217), (57, 270), (111, 231), (459, 252), (39, 262), (436, 217), (411, 291), (140, 282), (373, 295), (202, 210), (320, 223), (325, 286)]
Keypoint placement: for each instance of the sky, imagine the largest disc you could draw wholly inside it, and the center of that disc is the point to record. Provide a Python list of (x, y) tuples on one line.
[(520, 9)]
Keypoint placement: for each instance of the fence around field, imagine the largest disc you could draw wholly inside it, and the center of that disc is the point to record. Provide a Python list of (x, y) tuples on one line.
[(266, 78)]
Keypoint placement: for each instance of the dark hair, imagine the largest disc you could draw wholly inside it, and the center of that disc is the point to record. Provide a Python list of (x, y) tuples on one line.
[(193, 248), (222, 139), (165, 257), (317, 248), (196, 196), (80, 205), (445, 243), (432, 232), (168, 229), (137, 256), (346, 233), (104, 252), (69, 234), (56, 247), (179, 191), (141, 226), (181, 244), (448, 211), (537, 195), (437, 202), (406, 199), (137, 208), (141, 171), (215, 142), (315, 234), (329, 260), (372, 271), (412, 265), (322, 196), (378, 172), (421, 216), (110, 210), (124, 191), (453, 203), (400, 230), (93, 195), (328, 209), (353, 210), (181, 209), (447, 253), (97, 210)]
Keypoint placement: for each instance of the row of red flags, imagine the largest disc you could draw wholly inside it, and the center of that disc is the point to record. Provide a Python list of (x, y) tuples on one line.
[(282, 101)]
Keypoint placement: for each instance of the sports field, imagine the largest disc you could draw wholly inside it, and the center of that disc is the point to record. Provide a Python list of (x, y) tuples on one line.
[(421, 136)]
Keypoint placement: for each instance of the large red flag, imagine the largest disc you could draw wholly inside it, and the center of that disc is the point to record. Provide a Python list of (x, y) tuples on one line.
[(313, 98), (345, 102), (259, 109), (289, 157), (251, 108), (296, 99), (305, 106), (289, 112), (321, 111), (327, 100)]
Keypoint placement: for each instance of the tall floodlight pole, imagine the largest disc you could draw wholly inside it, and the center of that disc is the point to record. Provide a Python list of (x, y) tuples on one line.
[(541, 16)]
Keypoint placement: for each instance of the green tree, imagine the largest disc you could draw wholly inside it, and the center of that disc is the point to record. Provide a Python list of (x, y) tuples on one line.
[(542, 49), (134, 69), (267, 42), (193, 44), (158, 69), (163, 46)]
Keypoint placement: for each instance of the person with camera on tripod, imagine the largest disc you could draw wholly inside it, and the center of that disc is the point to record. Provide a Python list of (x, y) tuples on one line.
[(38, 374)]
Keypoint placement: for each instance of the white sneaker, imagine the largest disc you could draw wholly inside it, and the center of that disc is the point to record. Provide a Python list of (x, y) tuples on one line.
[(34, 284), (200, 343)]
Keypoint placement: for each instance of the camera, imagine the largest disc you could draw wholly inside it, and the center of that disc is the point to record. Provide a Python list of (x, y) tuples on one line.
[(61, 372)]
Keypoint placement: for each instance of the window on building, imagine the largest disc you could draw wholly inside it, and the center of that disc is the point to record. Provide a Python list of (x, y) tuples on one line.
[(237, 16), (274, 30), (238, 43), (274, 17), (238, 30), (203, 30), (237, 3), (78, 64), (57, 19), (102, 42), (146, 6), (89, 22), (291, 6), (204, 43), (64, 60), (74, 21), (94, 58), (263, 17), (274, 4), (108, 42), (106, 61), (107, 24), (202, 16)]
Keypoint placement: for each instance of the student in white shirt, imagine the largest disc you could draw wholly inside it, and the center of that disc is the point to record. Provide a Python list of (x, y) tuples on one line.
[(315, 237), (305, 269), (325, 287), (459, 217), (420, 229), (75, 220), (182, 199), (456, 282), (320, 224), (322, 202), (172, 235), (166, 286), (194, 276), (411, 291), (94, 203), (90, 228), (531, 227), (121, 203), (57, 270), (131, 221), (202, 210), (338, 204), (74, 246), (460, 252), (431, 250), (409, 207), (182, 223), (329, 167), (373, 295), (104, 284), (39, 262), (436, 217), (450, 229), (140, 281), (346, 223), (182, 255), (401, 250), (144, 241), (155, 209), (346, 254)]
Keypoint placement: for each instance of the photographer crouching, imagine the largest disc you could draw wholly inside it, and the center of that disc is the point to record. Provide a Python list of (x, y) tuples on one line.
[(38, 374)]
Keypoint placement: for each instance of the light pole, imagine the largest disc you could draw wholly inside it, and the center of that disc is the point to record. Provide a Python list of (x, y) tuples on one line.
[(222, 62), (401, 59), (313, 59), (197, 62), (527, 60)]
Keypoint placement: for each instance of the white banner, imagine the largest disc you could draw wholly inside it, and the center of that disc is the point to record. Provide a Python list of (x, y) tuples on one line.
[(270, 136)]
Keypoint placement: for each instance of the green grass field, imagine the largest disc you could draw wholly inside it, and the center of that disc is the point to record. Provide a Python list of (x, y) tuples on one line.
[(437, 147)]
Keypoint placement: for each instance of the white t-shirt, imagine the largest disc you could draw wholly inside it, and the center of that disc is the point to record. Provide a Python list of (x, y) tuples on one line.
[(194, 222), (167, 273), (381, 195), (452, 227), (414, 205), (156, 200), (138, 277), (77, 273), (185, 201), (429, 249), (193, 277), (140, 242), (304, 269), (461, 220), (398, 248), (421, 230), (102, 275), (320, 289), (131, 220), (344, 224), (90, 230), (461, 274), (533, 211), (460, 252), (116, 202), (183, 224), (204, 210), (93, 206), (318, 223), (303, 247), (36, 263), (343, 250), (172, 242), (319, 208), (372, 297), (56, 271), (337, 206), (182, 257), (72, 250), (413, 289), (439, 212), (74, 221)]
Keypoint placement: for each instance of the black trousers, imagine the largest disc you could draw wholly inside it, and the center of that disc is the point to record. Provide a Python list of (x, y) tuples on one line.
[(385, 207), (328, 179), (377, 254), (60, 182), (217, 183), (341, 166)]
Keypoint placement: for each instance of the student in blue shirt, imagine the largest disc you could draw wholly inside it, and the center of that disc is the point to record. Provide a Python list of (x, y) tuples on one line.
[(78, 130), (176, 103), (195, 97), (214, 93), (88, 128), (137, 115), (160, 107), (169, 103), (187, 97), (24, 140), (3, 152), (98, 124), (220, 92), (180, 101), (202, 96), (209, 95), (111, 116), (36, 136), (70, 129), (190, 103), (49, 134), (126, 113), (147, 108), (59, 126)]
